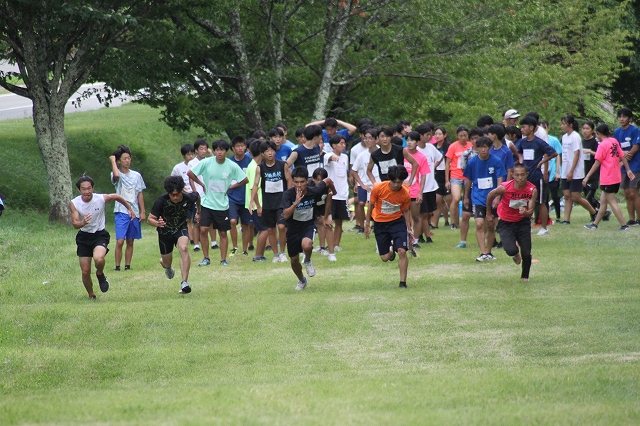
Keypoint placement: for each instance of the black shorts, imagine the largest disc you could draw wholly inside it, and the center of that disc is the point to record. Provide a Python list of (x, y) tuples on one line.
[(391, 233), (339, 210), (191, 212), (294, 241), (87, 241), (480, 212), (440, 180), (239, 211), (610, 189), (271, 218), (543, 191), (166, 242), (428, 204), (216, 218), (573, 185)]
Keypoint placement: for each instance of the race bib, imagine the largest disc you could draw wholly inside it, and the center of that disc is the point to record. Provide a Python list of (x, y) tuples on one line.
[(303, 215), (384, 166), (341, 171), (388, 208), (217, 186), (586, 157), (516, 204), (625, 144), (485, 183), (528, 154), (273, 187)]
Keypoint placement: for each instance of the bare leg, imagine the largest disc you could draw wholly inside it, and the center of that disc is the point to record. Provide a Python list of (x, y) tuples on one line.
[(246, 236), (234, 232), (337, 232), (480, 225), (296, 266), (262, 243), (185, 259), (576, 197), (282, 237), (464, 226), (85, 268), (360, 214), (416, 221), (118, 251), (544, 214), (224, 244), (128, 252), (568, 206), (403, 264), (453, 206), (204, 240)]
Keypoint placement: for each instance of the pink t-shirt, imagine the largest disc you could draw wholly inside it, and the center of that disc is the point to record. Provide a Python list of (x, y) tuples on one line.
[(454, 153), (608, 154), (423, 170)]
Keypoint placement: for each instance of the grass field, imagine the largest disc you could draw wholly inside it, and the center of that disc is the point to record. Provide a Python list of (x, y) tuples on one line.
[(466, 343)]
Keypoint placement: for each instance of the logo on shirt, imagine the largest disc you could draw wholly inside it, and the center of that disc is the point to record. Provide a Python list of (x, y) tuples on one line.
[(490, 170)]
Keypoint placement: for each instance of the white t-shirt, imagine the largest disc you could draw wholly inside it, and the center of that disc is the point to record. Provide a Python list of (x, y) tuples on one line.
[(192, 164), (433, 156), (181, 170), (337, 171), (128, 186), (355, 151), (542, 134), (96, 208), (360, 166), (570, 144)]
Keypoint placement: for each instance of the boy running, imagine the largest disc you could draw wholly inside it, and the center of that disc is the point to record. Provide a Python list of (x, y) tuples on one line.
[(169, 215), (188, 153)]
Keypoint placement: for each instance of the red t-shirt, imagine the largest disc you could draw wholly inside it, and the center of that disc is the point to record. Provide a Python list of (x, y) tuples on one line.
[(512, 199)]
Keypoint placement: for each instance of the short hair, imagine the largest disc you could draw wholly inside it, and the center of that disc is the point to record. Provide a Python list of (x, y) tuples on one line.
[(254, 147), (363, 128), (626, 112), (364, 121), (238, 139), (200, 142), (220, 143), (330, 122), (603, 129), (484, 121), (187, 148), (259, 134), (533, 114), (300, 172), (85, 178), (276, 131), (281, 125), (311, 132), (299, 132), (424, 128), (320, 173), (476, 131), (372, 131), (513, 130), (462, 129), (397, 172), (396, 140), (497, 129), (335, 139), (483, 141), (122, 149), (520, 165), (414, 136), (265, 145), (386, 130), (529, 121), (173, 184)]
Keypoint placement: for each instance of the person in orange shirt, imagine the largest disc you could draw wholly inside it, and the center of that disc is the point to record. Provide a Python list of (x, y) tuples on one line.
[(389, 208), (454, 172)]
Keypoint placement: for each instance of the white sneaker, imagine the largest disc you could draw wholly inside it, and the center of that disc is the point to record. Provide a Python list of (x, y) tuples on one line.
[(283, 258), (324, 252), (311, 271), (276, 259), (337, 248), (317, 249), (482, 258), (542, 231), (302, 257), (214, 245), (301, 284), (332, 257)]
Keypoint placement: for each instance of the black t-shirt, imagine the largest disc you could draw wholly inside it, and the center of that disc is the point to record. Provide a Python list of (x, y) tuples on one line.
[(591, 144), (382, 161), (174, 215), (310, 158), (273, 184), (303, 216)]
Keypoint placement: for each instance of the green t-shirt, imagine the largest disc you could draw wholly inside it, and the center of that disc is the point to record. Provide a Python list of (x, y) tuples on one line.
[(217, 178), (251, 175)]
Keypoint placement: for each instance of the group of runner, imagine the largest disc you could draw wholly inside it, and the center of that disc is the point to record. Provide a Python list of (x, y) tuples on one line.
[(403, 181)]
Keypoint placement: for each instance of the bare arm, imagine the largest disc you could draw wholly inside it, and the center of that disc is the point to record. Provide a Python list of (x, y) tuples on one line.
[(143, 212), (372, 178), (292, 159), (493, 194), (114, 169), (77, 221), (350, 127), (193, 178), (118, 198), (467, 191), (414, 165)]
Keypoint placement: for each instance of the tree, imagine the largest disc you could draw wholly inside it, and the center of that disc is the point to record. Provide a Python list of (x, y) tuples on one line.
[(56, 47)]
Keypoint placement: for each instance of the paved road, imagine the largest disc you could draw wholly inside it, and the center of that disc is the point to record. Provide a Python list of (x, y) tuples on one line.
[(14, 106)]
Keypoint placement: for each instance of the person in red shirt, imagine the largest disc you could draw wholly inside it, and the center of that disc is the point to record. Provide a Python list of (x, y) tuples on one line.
[(514, 210), (389, 208)]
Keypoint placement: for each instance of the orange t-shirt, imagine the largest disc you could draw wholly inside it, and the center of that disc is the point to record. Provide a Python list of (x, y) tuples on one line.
[(454, 153), (389, 205)]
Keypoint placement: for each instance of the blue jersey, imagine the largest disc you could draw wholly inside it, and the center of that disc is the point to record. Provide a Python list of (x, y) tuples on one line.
[(628, 138), (237, 195), (505, 155), (532, 152), (483, 175), (283, 153)]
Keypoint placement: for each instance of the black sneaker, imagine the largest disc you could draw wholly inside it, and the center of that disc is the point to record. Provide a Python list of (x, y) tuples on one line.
[(421, 239), (251, 248), (360, 231), (102, 281), (413, 253), (633, 223), (234, 251), (606, 216), (184, 288), (245, 253), (267, 248), (416, 245), (499, 245), (429, 240), (403, 284), (624, 228), (117, 269), (127, 267)]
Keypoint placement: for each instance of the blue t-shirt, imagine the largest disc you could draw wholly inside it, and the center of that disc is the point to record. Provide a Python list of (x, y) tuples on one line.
[(325, 137), (555, 144), (483, 175), (505, 155), (237, 195), (532, 152), (628, 138), (283, 153)]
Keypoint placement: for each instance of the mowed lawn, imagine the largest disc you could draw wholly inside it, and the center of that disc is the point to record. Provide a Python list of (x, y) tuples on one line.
[(465, 343)]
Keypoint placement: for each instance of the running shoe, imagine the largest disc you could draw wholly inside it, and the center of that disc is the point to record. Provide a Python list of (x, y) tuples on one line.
[(332, 258), (461, 245), (623, 228), (268, 248), (491, 256), (117, 269), (633, 223), (224, 263), (196, 247), (317, 249), (564, 222), (337, 248), (606, 216), (413, 253), (214, 245), (421, 239), (429, 240), (454, 226), (403, 284), (301, 284), (169, 272), (184, 288), (543, 231), (251, 247), (259, 259), (393, 254), (245, 253), (591, 226), (234, 251), (360, 231), (311, 270), (102, 281), (205, 262), (283, 258), (482, 258), (416, 245), (324, 251), (276, 258)]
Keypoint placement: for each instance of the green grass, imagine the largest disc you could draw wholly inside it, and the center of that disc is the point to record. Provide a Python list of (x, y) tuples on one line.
[(466, 343)]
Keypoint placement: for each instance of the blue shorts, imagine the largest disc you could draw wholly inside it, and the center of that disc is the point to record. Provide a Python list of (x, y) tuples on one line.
[(239, 211), (127, 229), (257, 222), (362, 195)]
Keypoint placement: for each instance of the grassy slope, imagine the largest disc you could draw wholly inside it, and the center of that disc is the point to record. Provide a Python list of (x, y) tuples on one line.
[(466, 343)]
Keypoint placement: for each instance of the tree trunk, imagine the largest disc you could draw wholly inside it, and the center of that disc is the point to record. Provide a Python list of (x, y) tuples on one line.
[(48, 119)]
